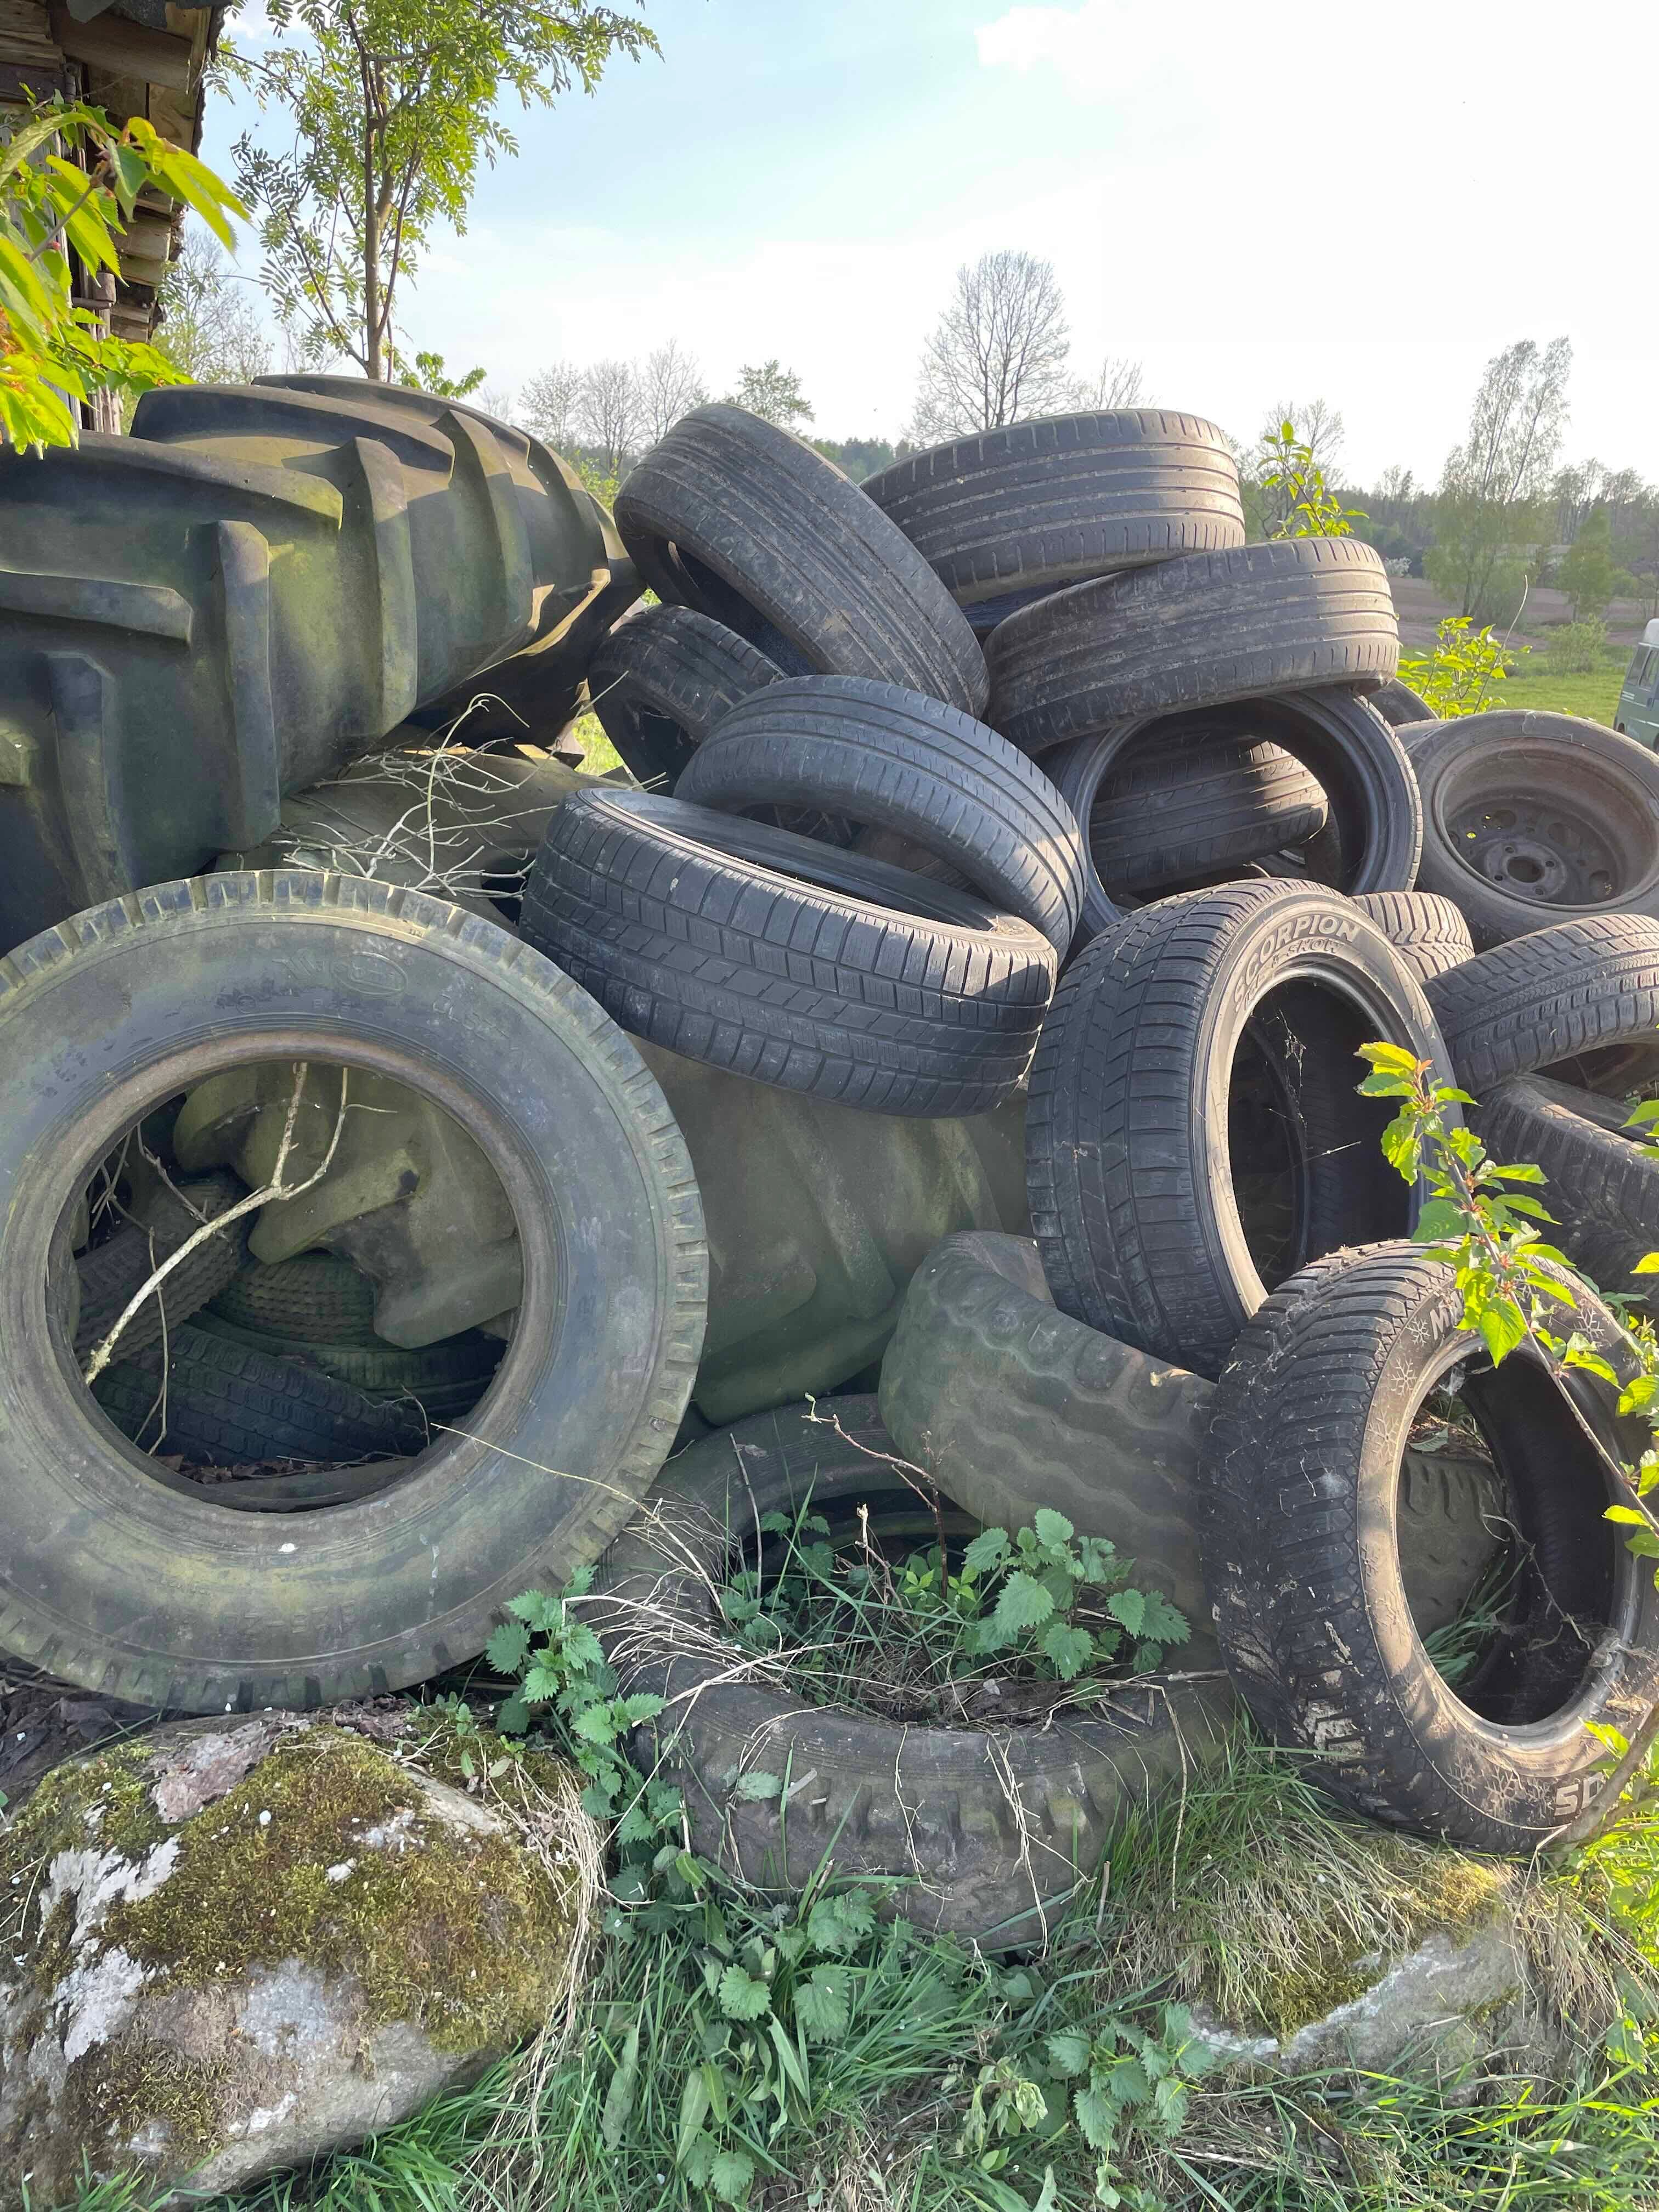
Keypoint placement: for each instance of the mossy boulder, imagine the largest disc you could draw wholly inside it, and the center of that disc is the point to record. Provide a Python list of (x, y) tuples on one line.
[(231, 1945)]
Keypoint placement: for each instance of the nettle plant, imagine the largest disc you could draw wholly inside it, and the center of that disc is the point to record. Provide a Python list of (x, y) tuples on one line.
[(1519, 1289), (1043, 1602)]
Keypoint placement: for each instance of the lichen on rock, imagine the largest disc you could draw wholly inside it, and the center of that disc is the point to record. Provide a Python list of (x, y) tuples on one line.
[(228, 1946)]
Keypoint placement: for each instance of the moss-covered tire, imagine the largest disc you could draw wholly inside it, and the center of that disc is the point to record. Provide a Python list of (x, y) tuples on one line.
[(117, 1574), (985, 1831), (1301, 1552)]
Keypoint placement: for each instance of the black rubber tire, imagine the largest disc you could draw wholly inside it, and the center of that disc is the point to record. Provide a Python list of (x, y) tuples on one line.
[(663, 679), (883, 757), (1127, 1142), (1573, 988), (438, 1375), (1019, 1407), (1602, 1190), (1039, 505), (1426, 931), (1400, 708), (1531, 818), (1300, 1485), (1375, 824), (113, 1572), (751, 949), (741, 520), (1292, 614), (230, 1404), (318, 1299), (929, 1808), (1201, 801), (112, 1273)]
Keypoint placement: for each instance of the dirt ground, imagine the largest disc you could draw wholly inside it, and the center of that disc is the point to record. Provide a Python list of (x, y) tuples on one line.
[(45, 1722), (1421, 610)]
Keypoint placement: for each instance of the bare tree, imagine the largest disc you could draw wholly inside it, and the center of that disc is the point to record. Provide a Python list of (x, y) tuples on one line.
[(209, 324), (547, 403), (1318, 425), (1488, 514), (1121, 383), (670, 385), (999, 352), (608, 409)]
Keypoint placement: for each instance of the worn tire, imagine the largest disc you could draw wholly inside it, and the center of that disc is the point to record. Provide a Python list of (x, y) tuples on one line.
[(443, 1376), (883, 757), (751, 949), (1573, 989), (1127, 1160), (1400, 708), (1036, 506), (114, 1271), (1293, 615), (1602, 1188), (663, 679), (1375, 821), (745, 522), (1531, 818), (231, 1404), (1300, 1484), (317, 1298), (1427, 932), (986, 1833), (115, 1573)]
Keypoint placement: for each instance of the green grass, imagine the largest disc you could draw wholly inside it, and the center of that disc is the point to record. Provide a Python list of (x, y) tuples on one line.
[(602, 755), (1533, 685)]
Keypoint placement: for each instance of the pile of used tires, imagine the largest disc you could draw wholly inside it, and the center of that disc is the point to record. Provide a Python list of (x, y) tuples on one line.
[(952, 1017)]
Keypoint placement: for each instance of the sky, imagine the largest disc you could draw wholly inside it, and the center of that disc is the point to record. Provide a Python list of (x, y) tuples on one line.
[(1262, 203)]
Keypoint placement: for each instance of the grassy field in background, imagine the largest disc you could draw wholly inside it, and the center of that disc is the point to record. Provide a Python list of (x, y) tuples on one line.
[(1533, 685)]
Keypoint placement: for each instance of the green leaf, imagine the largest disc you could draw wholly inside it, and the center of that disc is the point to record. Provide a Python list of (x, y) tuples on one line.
[(1022, 1604), (1067, 1649), (1127, 2084), (1097, 2118), (1439, 1219), (694, 2109), (1391, 1055), (1163, 1620), (1503, 1326), (1629, 1516), (824, 2003), (1052, 1528), (594, 1724), (507, 1648), (742, 1998), (839, 1925), (642, 1706), (757, 1789), (988, 1548), (1128, 1606), (1068, 2053), (513, 1718), (1526, 1173), (619, 2097), (1648, 1262), (731, 2176)]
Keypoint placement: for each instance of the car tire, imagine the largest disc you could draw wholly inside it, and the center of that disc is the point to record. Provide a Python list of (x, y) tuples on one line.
[(315, 1298), (1374, 822), (1601, 1186), (1400, 708), (1532, 819), (112, 1273), (1128, 1161), (119, 1574), (751, 949), (1293, 615), (985, 1834), (1326, 1381), (663, 679), (881, 757), (1202, 803), (738, 519), (1570, 991), (1427, 932), (443, 1378), (1036, 506)]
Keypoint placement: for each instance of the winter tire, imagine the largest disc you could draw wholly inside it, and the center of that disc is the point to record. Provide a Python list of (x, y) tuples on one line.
[(1567, 992), (1289, 616), (1427, 932), (1600, 1187), (1036, 506), (117, 1573), (663, 679), (1301, 1484), (1532, 819), (886, 758), (751, 949), (1138, 1089), (745, 522), (988, 1833), (1375, 827)]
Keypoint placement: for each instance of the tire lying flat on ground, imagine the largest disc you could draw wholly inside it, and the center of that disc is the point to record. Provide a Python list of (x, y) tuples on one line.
[(1427, 932), (1570, 992), (115, 1571), (663, 679), (744, 522), (1289, 616), (886, 758), (1531, 818), (1602, 1191), (1136, 1087), (986, 1832), (1035, 506), (316, 1297), (780, 958), (1323, 1386), (1375, 827)]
